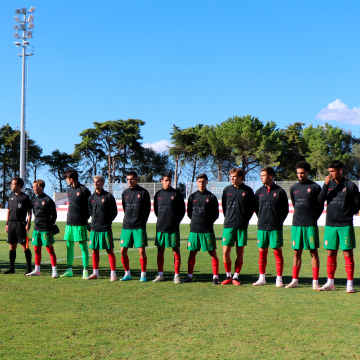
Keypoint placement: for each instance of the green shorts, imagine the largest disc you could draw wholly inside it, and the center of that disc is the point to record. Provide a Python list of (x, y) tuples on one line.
[(40, 238), (344, 235), (75, 233), (231, 236), (167, 239), (205, 241), (272, 237), (304, 237), (137, 237), (101, 240)]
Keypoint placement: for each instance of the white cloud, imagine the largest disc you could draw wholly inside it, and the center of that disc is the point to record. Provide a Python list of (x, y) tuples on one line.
[(159, 146), (338, 111)]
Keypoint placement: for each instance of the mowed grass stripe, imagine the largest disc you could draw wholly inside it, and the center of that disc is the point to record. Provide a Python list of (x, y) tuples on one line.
[(62, 318)]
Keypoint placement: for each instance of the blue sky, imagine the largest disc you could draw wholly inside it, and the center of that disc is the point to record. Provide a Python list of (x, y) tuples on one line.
[(183, 63)]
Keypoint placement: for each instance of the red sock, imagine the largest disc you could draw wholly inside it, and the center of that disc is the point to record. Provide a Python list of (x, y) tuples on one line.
[(296, 270), (238, 266), (315, 271), (177, 263), (95, 259), (143, 262), (112, 261), (262, 261), (125, 262), (331, 266), (51, 251), (215, 266), (37, 250), (160, 259), (279, 260), (191, 261), (227, 266), (349, 267)]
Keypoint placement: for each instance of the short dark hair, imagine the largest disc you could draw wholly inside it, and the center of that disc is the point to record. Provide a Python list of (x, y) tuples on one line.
[(19, 181), (202, 176), (132, 173), (269, 170), (71, 174), (168, 175), (40, 183), (336, 164), (303, 165), (237, 172)]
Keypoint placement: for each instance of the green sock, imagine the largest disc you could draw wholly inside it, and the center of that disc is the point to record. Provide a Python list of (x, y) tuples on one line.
[(85, 253), (70, 253)]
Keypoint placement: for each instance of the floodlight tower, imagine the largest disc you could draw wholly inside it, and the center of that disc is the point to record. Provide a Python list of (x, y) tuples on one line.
[(24, 26)]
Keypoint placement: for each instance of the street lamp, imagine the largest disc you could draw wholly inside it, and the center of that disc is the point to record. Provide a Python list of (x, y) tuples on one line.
[(26, 24)]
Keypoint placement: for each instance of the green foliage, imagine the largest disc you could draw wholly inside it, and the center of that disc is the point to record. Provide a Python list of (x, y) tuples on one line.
[(58, 162)]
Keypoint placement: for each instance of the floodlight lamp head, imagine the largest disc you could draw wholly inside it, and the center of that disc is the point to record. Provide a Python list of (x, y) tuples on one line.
[(16, 27), (26, 43), (32, 9), (17, 43), (17, 11), (16, 18), (16, 35), (31, 18), (29, 34), (23, 11), (31, 26)]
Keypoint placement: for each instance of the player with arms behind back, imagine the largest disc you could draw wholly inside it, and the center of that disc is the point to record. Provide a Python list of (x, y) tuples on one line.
[(238, 203), (18, 221), (203, 210), (169, 208), (272, 208), (304, 231), (136, 204), (76, 222), (45, 217), (103, 211), (343, 202)]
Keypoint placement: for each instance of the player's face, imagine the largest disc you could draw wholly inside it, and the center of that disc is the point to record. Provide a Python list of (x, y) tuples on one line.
[(201, 183), (132, 180), (15, 187), (36, 189), (98, 185), (266, 179), (166, 181), (302, 174), (236, 180), (68, 181), (335, 174)]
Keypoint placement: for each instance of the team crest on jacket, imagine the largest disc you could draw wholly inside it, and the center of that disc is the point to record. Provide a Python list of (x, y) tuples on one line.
[(172, 198), (309, 190), (207, 200), (43, 203), (344, 189), (139, 196), (102, 200), (275, 194), (243, 194), (78, 194)]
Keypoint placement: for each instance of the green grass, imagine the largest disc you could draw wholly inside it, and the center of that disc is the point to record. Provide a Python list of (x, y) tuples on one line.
[(44, 318)]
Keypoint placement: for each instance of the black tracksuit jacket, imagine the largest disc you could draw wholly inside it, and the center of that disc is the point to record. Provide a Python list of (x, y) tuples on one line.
[(238, 206), (304, 197), (169, 208), (103, 211), (44, 212), (342, 202), (271, 208), (136, 205), (78, 213), (203, 210), (19, 206)]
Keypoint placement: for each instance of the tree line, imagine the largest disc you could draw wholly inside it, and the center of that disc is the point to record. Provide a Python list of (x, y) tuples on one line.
[(114, 147)]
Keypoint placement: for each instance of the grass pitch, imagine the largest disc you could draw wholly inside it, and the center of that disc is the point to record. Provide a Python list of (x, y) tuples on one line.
[(45, 318)]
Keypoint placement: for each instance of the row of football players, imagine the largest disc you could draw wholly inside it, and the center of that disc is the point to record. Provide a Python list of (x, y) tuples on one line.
[(270, 203)]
